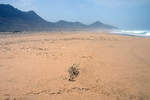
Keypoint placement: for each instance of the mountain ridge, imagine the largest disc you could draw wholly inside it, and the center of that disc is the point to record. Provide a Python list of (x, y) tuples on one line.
[(13, 19)]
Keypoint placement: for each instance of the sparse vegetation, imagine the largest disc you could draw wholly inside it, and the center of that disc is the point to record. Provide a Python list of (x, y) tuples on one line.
[(73, 72)]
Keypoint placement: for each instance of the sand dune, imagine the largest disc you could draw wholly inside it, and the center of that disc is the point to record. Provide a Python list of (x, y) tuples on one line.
[(112, 67)]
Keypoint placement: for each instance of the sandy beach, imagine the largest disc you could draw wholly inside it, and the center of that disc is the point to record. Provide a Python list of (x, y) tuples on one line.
[(34, 66)]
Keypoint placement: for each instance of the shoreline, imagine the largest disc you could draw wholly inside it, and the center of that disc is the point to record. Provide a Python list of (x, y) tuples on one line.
[(64, 32)]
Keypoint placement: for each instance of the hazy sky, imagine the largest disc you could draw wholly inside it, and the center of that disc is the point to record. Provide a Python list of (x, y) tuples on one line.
[(127, 14)]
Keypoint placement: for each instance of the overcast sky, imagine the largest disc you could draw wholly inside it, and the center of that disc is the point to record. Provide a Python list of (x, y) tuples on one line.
[(126, 14)]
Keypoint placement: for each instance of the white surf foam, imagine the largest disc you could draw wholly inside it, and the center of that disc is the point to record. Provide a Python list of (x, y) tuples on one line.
[(142, 33)]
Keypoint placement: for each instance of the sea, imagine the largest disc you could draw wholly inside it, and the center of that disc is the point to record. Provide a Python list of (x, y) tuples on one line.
[(138, 33)]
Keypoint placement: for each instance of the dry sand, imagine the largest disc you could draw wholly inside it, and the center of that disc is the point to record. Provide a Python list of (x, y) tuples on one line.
[(112, 67)]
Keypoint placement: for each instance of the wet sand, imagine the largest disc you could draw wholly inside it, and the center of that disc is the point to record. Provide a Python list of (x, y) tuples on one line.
[(112, 67)]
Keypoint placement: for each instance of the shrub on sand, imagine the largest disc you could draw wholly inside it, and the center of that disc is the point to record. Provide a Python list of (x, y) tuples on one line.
[(73, 72)]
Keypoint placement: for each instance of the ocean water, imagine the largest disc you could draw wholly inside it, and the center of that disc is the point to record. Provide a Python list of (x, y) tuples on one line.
[(139, 33)]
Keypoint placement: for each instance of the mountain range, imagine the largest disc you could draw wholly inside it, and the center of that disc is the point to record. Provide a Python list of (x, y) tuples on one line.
[(13, 19)]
